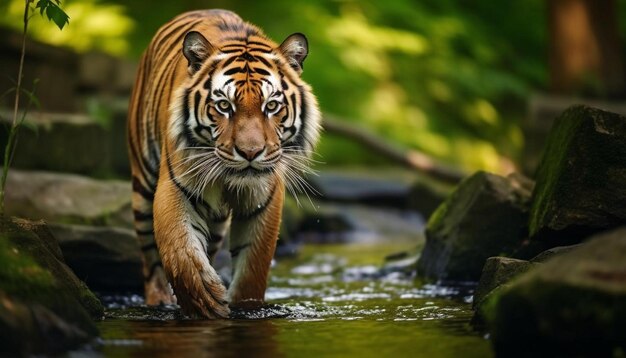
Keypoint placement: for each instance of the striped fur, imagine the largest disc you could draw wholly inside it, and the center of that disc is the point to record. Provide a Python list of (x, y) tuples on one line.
[(220, 123)]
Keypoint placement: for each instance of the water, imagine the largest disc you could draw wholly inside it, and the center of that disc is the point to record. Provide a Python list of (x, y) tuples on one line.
[(333, 301)]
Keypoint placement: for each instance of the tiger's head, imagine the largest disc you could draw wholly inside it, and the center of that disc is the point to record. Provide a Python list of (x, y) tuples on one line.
[(246, 114)]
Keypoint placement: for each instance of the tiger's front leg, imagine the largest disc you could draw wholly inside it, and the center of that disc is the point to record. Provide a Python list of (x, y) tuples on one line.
[(252, 244), (183, 249)]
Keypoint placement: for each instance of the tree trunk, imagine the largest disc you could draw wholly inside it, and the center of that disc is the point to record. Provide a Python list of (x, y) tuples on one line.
[(585, 51)]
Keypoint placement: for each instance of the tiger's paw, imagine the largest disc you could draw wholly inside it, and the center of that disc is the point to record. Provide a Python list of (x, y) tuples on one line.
[(205, 301), (157, 290), (199, 290)]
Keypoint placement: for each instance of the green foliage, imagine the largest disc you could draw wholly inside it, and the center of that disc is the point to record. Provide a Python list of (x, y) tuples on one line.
[(53, 12), (448, 77)]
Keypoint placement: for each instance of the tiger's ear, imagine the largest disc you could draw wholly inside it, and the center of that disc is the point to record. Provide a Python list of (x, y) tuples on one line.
[(196, 49), (295, 48)]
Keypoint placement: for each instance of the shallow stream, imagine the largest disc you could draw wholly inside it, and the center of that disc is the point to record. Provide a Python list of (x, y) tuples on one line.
[(331, 301)]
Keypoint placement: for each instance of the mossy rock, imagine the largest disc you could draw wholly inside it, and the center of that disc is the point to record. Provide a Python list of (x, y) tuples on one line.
[(580, 181), (485, 216), (572, 305), (498, 271), (36, 285)]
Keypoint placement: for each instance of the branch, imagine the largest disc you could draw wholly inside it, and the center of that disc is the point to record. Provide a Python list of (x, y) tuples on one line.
[(411, 159)]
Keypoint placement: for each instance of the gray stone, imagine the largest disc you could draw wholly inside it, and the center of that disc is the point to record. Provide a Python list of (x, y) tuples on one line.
[(574, 304), (485, 216), (496, 272), (108, 259), (65, 198), (553, 252), (580, 181)]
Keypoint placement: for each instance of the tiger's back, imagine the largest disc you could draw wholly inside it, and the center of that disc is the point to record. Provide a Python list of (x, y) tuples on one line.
[(219, 122)]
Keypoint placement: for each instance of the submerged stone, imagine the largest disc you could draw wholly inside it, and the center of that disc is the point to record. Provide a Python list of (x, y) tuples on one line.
[(572, 305), (580, 181), (485, 216), (44, 307)]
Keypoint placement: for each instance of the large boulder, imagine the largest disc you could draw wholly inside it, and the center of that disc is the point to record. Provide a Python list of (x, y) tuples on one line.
[(67, 198), (580, 181), (44, 307), (107, 259), (572, 305), (485, 216)]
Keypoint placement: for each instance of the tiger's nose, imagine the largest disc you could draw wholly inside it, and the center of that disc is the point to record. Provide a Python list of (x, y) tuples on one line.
[(250, 153)]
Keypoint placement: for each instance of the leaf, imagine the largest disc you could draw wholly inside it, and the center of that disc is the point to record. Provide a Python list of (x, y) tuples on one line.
[(53, 12), (42, 5), (57, 15)]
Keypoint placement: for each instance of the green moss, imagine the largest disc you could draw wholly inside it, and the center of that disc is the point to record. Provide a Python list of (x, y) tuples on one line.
[(581, 175), (20, 275), (552, 164)]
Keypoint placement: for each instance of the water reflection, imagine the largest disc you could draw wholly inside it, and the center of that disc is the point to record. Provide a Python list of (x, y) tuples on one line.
[(321, 304), (224, 338)]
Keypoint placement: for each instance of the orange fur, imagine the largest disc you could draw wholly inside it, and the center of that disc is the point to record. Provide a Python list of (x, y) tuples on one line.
[(198, 167)]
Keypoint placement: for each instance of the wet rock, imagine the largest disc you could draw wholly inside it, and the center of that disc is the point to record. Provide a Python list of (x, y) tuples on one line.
[(572, 305), (580, 181), (106, 258), (44, 307), (553, 252), (30, 329), (67, 198), (485, 216), (496, 272)]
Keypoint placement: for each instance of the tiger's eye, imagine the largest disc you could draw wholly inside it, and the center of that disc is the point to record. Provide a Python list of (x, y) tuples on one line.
[(223, 105), (271, 106)]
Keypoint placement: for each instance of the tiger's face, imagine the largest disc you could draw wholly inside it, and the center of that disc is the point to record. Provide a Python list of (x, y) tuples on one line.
[(246, 112)]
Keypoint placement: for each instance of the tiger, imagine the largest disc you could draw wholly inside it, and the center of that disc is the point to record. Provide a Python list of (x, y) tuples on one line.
[(220, 124)]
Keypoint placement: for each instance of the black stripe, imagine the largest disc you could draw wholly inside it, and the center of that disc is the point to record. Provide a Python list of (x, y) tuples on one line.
[(141, 216), (239, 48), (256, 43), (148, 247), (303, 110), (261, 71), (234, 70), (229, 61), (142, 190), (264, 61), (215, 238), (237, 250), (257, 210), (200, 230), (153, 268), (145, 232)]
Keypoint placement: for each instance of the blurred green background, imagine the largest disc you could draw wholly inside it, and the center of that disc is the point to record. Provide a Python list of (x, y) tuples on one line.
[(451, 78)]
